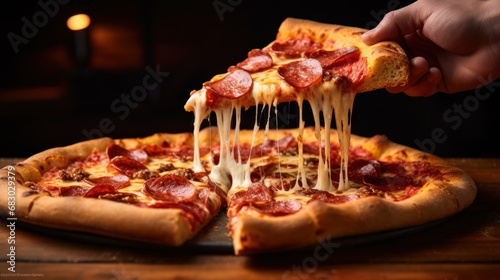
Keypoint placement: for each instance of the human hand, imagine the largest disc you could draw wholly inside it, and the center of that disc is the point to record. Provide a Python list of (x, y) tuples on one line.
[(452, 45)]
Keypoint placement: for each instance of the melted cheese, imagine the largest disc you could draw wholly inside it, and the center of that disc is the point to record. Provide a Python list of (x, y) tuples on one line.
[(100, 169), (301, 173), (324, 99), (343, 104), (200, 113)]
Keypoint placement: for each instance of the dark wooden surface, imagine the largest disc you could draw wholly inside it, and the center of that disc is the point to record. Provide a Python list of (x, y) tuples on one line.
[(466, 246)]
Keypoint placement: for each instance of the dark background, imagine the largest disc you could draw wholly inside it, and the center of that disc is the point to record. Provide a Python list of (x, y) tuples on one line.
[(48, 98)]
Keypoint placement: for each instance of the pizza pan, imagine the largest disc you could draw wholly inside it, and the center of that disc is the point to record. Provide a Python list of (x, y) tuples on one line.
[(214, 238)]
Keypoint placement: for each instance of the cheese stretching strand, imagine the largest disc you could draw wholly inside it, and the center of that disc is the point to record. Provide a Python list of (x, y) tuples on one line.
[(325, 99), (294, 70)]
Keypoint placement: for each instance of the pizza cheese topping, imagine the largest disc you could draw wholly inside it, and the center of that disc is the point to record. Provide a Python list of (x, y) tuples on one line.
[(272, 181), (152, 176), (273, 177), (118, 181), (309, 72)]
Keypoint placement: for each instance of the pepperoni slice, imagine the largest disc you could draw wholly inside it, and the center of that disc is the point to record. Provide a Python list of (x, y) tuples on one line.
[(99, 190), (204, 196), (360, 168), (301, 74), (74, 191), (278, 208), (256, 192), (213, 187), (389, 183), (336, 57), (171, 187), (296, 47), (126, 165), (257, 60), (269, 146), (117, 181), (334, 199), (115, 150), (96, 157), (234, 85), (355, 71), (155, 150)]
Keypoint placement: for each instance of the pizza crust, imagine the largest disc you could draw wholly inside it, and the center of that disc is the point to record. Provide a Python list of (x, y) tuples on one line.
[(108, 218), (252, 231), (387, 66), (99, 216), (173, 139), (366, 215), (319, 221), (387, 62), (33, 167)]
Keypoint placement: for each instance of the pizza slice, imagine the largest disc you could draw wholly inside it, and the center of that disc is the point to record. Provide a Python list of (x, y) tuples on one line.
[(307, 59), (323, 64), (290, 189), (391, 187), (141, 189)]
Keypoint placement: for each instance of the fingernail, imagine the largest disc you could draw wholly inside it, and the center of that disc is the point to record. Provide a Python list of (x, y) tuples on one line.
[(366, 36), (367, 33)]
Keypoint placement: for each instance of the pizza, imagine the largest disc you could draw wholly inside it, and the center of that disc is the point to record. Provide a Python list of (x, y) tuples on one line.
[(323, 64), (145, 189), (281, 189), (281, 207)]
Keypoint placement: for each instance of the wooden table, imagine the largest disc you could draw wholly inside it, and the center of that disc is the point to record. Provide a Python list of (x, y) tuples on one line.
[(466, 246)]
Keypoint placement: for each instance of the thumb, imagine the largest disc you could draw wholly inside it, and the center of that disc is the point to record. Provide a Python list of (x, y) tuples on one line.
[(395, 25)]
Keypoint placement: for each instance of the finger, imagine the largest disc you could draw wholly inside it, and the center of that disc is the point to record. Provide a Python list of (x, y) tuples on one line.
[(418, 67), (427, 85), (395, 25)]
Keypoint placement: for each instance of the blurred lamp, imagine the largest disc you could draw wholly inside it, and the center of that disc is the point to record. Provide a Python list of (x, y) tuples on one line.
[(78, 22)]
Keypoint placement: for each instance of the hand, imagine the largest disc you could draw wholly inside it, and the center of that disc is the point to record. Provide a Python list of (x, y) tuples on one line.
[(452, 45)]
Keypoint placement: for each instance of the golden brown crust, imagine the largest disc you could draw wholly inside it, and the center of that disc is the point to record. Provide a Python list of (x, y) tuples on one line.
[(173, 139), (387, 66), (440, 197), (33, 167), (108, 218), (387, 62), (104, 217), (252, 232)]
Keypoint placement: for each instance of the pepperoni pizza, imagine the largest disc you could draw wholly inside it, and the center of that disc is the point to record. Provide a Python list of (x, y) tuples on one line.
[(282, 188)]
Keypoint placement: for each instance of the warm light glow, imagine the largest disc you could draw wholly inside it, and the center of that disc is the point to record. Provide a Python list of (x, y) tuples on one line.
[(78, 22)]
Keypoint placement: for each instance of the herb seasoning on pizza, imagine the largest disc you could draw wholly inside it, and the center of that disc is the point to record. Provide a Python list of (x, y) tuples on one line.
[(283, 188)]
